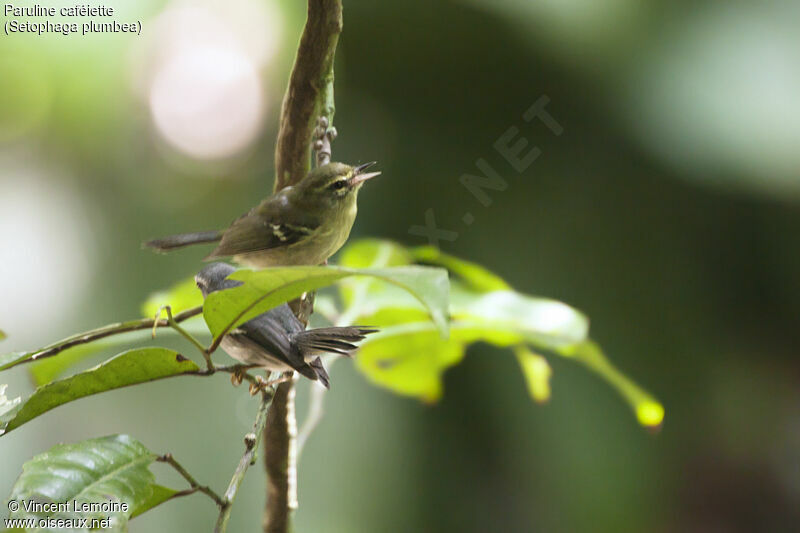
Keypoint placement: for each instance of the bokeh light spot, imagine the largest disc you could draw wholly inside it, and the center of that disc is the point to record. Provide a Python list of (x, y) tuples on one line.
[(46, 240), (207, 102)]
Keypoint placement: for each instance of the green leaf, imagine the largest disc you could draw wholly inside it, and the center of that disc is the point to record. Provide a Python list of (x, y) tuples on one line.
[(50, 368), (270, 287), (128, 368), (159, 495), (374, 253), (483, 307), (543, 322), (180, 297), (2, 334), (537, 373), (472, 274), (96, 471), (649, 412), (373, 301), (410, 359)]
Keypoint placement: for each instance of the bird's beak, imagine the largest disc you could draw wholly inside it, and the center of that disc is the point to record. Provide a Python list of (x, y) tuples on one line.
[(359, 176)]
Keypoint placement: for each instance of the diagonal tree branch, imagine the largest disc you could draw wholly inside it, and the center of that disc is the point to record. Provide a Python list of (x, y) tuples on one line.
[(101, 333)]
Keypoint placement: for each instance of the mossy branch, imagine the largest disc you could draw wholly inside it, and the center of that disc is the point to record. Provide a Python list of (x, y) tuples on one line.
[(308, 97), (310, 91)]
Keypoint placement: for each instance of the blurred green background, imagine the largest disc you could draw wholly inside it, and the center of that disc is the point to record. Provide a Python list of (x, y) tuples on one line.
[(668, 210)]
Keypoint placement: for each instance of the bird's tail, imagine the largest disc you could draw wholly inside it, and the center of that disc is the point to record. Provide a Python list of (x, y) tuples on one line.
[(331, 340), (322, 374), (185, 239)]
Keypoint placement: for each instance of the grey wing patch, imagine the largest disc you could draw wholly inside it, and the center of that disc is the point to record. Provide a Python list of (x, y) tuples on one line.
[(271, 337)]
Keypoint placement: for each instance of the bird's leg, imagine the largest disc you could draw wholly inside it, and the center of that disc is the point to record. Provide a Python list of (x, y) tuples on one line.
[(262, 384), (324, 135)]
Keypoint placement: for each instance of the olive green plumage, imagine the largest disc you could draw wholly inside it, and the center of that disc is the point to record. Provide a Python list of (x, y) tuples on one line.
[(303, 224)]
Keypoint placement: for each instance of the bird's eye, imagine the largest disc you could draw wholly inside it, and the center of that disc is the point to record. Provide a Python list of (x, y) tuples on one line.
[(338, 185)]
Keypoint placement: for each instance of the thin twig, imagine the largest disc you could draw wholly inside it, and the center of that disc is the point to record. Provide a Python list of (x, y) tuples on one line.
[(106, 331), (251, 441), (195, 486)]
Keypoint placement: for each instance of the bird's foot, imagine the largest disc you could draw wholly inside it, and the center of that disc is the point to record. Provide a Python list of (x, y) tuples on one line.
[(324, 135), (261, 384), (237, 377)]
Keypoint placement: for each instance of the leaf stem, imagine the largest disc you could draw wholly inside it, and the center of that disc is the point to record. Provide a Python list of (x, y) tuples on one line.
[(185, 334)]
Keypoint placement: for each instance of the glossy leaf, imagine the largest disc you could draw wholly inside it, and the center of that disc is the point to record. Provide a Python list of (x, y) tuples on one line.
[(95, 471), (373, 301), (410, 359), (128, 368), (483, 307), (265, 289), (374, 253), (51, 368), (472, 274), (159, 495), (543, 322)]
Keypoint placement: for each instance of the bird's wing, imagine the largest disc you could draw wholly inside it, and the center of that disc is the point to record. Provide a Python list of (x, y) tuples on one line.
[(270, 225), (271, 336)]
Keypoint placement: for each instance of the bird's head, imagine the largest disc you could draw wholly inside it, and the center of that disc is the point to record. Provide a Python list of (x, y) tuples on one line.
[(212, 278), (335, 183)]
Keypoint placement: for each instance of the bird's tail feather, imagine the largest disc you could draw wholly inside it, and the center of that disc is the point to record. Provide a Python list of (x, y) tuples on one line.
[(322, 374), (338, 340), (184, 239)]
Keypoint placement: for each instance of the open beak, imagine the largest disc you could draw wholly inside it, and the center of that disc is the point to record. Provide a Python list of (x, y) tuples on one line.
[(359, 176)]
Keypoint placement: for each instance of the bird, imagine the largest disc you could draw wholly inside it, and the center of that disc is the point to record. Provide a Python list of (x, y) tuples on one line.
[(277, 340), (302, 224)]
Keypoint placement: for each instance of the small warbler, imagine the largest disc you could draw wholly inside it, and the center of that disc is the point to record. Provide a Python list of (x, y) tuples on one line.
[(303, 224), (276, 340)]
